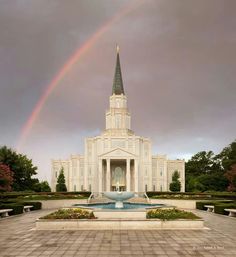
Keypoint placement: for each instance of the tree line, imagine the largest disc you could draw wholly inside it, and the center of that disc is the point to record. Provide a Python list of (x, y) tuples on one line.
[(17, 173), (207, 171)]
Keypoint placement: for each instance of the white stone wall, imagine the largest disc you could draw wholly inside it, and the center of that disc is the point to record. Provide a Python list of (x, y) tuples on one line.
[(118, 141)]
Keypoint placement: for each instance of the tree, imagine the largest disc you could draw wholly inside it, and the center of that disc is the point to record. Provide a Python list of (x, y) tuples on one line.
[(45, 186), (22, 168), (231, 176), (175, 185), (200, 163), (61, 186), (228, 156), (6, 178), (211, 182)]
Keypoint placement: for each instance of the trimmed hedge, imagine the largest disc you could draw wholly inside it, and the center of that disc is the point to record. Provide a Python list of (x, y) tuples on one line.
[(36, 205), (191, 195), (17, 208), (219, 208), (200, 205), (14, 195)]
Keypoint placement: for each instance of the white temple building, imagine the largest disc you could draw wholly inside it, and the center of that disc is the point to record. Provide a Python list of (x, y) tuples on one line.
[(118, 156)]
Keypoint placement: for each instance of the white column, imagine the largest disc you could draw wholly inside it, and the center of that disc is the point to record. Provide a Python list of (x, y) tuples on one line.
[(85, 176), (100, 175), (108, 178), (136, 175), (128, 175)]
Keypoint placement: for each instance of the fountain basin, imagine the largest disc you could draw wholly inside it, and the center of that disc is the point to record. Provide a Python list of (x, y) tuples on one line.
[(119, 197), (127, 206)]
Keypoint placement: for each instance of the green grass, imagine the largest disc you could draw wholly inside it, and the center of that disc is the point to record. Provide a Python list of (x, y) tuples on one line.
[(72, 213), (170, 214)]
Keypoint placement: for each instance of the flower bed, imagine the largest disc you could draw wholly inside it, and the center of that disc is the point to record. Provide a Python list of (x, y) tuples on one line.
[(170, 214), (79, 219), (71, 213)]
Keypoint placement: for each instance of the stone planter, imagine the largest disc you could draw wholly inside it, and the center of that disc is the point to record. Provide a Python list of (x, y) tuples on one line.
[(117, 224)]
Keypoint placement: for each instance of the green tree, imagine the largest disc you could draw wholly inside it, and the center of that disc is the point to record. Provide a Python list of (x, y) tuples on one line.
[(231, 176), (204, 172), (6, 178), (61, 186), (228, 156), (22, 168), (45, 186), (200, 163), (211, 182), (175, 185)]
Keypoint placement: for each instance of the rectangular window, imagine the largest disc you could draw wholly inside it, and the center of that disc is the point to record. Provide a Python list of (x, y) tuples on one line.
[(82, 188), (56, 174), (146, 188), (90, 188), (161, 188), (75, 188), (153, 188)]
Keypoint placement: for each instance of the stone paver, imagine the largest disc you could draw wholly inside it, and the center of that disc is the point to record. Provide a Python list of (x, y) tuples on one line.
[(18, 238)]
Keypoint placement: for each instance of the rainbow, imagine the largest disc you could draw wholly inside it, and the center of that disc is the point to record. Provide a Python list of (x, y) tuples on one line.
[(67, 66)]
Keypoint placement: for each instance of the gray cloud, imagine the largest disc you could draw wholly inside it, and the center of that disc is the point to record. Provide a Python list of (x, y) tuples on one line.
[(178, 61)]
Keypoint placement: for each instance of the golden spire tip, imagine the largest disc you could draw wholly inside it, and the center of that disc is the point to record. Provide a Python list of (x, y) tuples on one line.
[(117, 48)]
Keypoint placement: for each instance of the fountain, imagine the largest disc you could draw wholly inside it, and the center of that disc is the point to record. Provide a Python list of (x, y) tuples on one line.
[(119, 196)]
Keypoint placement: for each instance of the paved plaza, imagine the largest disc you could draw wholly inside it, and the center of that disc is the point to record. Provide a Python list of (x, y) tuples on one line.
[(19, 238)]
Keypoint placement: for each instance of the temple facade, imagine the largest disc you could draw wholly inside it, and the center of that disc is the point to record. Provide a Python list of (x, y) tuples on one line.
[(118, 156)]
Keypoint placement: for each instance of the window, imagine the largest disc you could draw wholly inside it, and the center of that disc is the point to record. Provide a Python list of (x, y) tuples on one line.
[(161, 188), (146, 188), (90, 188), (82, 188), (75, 188), (56, 174), (153, 188), (161, 172)]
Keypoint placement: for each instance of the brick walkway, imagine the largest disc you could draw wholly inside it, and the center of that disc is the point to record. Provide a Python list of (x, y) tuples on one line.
[(18, 238)]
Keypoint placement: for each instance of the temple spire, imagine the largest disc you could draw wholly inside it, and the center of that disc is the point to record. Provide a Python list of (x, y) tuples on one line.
[(117, 88)]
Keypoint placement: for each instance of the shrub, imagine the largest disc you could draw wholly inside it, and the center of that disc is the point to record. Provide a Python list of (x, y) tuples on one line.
[(193, 195), (61, 186), (72, 213), (200, 205), (219, 208), (36, 205), (170, 214), (175, 185), (17, 208)]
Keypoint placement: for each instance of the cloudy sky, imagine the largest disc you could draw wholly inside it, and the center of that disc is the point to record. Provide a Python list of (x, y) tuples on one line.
[(178, 60)]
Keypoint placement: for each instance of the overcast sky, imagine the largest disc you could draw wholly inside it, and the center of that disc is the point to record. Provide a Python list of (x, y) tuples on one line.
[(178, 59)]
